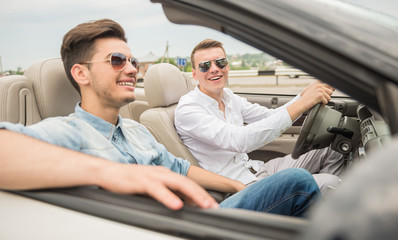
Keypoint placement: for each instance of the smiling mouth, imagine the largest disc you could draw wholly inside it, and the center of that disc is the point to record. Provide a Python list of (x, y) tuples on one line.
[(214, 78), (130, 84)]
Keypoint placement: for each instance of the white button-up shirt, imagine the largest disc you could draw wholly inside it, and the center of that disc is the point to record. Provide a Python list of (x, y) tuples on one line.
[(220, 142)]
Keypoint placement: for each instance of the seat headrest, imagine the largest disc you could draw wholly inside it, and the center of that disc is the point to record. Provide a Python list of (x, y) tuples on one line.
[(165, 84), (55, 95)]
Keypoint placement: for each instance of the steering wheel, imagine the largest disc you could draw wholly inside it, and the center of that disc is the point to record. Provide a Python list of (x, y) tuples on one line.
[(314, 133), (304, 140)]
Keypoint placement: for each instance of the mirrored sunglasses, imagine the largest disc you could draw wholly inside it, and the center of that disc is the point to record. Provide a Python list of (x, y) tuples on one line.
[(220, 63)]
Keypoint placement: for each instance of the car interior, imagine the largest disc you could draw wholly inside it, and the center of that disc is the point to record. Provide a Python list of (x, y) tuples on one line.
[(321, 39), (44, 91)]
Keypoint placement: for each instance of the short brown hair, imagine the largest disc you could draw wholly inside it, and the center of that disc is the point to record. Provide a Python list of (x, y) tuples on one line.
[(205, 44), (78, 44)]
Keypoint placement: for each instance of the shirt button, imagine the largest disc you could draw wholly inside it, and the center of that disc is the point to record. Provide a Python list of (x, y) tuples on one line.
[(247, 165), (236, 160)]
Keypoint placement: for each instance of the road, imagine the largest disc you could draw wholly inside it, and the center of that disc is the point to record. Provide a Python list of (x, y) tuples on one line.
[(269, 84)]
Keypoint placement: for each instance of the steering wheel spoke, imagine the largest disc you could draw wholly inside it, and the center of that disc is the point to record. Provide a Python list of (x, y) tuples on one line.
[(314, 133)]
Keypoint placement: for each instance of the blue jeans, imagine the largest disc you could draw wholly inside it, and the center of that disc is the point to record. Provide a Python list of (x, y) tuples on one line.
[(289, 192)]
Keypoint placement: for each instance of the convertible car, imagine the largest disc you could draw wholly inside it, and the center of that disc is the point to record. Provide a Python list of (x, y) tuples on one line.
[(350, 45)]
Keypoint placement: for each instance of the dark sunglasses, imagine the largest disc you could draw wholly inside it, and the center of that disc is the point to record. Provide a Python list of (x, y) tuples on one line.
[(220, 63), (118, 61)]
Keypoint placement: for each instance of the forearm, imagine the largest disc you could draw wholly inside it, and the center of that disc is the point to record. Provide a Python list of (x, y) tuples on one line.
[(195, 123), (213, 181), (296, 109), (27, 163), (313, 94)]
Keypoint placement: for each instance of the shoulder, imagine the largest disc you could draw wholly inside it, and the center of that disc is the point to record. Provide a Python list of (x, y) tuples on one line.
[(135, 126), (127, 122), (228, 93), (65, 124), (189, 101), (192, 96), (71, 120), (232, 97)]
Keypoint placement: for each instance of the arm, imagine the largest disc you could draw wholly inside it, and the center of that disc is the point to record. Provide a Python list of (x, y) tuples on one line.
[(27, 163), (213, 181), (194, 121)]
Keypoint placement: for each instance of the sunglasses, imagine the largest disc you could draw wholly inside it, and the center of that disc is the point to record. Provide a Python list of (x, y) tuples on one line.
[(118, 61), (220, 63)]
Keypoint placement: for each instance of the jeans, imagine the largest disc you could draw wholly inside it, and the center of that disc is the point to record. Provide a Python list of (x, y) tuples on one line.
[(288, 192)]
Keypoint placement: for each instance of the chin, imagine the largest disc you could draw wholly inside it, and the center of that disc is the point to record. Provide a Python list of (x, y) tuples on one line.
[(129, 100)]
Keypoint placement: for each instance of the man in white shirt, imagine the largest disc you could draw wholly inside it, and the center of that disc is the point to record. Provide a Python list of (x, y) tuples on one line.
[(219, 127)]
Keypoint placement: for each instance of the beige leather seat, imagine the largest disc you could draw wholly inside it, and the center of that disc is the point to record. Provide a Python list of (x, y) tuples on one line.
[(55, 95), (134, 109), (45, 91), (164, 85), (16, 100)]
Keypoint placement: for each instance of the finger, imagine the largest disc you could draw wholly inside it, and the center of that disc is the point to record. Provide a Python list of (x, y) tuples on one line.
[(193, 193), (329, 91), (166, 197), (325, 99)]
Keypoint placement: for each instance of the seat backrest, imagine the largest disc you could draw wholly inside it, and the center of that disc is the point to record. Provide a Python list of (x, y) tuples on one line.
[(134, 109), (164, 85), (43, 91), (17, 101), (54, 94)]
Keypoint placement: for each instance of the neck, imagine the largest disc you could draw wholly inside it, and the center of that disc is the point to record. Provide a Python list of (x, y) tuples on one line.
[(216, 95), (109, 114)]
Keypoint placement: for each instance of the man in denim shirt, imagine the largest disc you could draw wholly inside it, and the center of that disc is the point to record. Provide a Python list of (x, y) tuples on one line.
[(99, 64)]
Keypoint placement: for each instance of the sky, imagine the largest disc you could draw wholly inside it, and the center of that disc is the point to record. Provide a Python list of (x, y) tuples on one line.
[(33, 30)]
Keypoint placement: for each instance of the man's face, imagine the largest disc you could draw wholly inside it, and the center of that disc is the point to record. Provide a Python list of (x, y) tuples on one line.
[(212, 81), (108, 86)]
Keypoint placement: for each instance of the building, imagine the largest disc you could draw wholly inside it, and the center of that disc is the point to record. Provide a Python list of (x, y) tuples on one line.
[(145, 62)]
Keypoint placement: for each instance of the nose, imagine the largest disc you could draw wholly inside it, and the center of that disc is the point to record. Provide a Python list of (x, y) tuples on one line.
[(130, 68), (213, 67)]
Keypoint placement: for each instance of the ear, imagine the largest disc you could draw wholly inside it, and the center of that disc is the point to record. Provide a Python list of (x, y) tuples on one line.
[(80, 73), (194, 74)]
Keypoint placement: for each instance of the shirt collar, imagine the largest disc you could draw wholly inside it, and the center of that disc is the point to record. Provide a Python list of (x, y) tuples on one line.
[(207, 100), (105, 128)]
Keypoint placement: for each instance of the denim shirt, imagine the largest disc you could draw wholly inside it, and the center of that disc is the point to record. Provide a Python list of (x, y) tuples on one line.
[(127, 142)]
